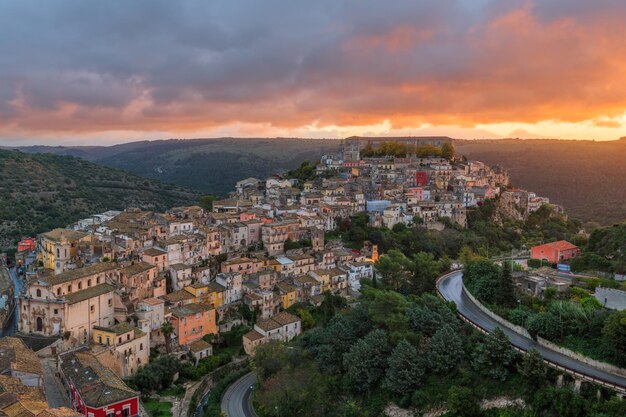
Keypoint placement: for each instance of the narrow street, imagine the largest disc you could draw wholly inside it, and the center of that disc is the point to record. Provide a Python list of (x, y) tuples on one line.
[(11, 327), (54, 391)]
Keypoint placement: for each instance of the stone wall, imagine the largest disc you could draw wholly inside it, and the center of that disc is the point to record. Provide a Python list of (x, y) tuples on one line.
[(592, 362), (500, 320)]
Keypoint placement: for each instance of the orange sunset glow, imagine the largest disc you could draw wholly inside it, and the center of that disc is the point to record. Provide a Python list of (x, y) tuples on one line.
[(72, 72)]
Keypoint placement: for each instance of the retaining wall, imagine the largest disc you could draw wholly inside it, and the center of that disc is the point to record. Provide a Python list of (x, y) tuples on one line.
[(500, 320), (595, 363)]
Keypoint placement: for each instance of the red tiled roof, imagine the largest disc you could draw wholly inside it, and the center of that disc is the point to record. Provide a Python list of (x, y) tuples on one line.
[(561, 245)]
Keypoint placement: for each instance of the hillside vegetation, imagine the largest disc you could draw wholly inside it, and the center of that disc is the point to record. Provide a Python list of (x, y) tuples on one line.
[(588, 178), (39, 192), (207, 165)]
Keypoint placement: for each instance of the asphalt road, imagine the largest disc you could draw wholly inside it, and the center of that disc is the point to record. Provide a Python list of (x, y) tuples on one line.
[(451, 288), (236, 400)]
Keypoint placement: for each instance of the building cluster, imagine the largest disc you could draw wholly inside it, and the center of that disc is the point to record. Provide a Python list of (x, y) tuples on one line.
[(430, 190), (22, 383), (105, 285)]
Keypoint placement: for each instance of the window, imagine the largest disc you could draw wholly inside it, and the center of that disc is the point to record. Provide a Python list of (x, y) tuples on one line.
[(100, 339), (58, 291), (58, 253), (69, 288), (89, 283), (110, 413), (80, 285), (119, 340), (141, 346), (92, 308), (56, 311), (110, 301), (128, 337), (38, 293), (97, 280)]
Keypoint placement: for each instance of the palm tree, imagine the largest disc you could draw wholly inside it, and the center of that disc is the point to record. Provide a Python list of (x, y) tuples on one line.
[(167, 329)]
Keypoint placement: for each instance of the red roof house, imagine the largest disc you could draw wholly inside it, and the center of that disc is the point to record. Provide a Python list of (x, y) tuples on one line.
[(555, 252)]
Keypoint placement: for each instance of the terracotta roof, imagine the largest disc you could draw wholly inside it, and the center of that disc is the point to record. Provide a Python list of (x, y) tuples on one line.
[(137, 268), (268, 324), (118, 329), (215, 287), (154, 252), (98, 385), (78, 296), (59, 412), (253, 335), (190, 309), (179, 295), (78, 273), (199, 345), (180, 267), (153, 301), (561, 245), (284, 318), (14, 355), (285, 287), (58, 234)]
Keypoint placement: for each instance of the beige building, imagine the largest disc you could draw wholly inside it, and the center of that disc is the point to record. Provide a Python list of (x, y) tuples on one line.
[(283, 326), (122, 347), (73, 301)]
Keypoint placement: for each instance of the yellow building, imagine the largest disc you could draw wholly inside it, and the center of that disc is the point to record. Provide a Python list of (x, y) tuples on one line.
[(199, 291), (288, 294), (216, 294), (58, 248)]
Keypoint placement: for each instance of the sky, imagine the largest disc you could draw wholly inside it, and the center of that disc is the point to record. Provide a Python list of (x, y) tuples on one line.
[(94, 72)]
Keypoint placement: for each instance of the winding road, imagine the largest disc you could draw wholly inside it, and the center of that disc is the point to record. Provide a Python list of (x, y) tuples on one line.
[(236, 400), (450, 287)]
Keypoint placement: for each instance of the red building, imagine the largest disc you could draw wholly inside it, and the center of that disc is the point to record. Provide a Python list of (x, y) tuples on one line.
[(555, 252), (421, 179), (27, 244), (95, 390)]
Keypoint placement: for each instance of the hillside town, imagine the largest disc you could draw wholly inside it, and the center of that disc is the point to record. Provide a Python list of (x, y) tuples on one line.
[(101, 289)]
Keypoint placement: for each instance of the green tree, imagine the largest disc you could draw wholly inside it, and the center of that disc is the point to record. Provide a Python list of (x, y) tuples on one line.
[(406, 369), (505, 294), (446, 350), (494, 356), (167, 329), (425, 272), (482, 278), (447, 151), (308, 322), (614, 333), (533, 369), (206, 202), (366, 362), (395, 268), (269, 358), (294, 391), (546, 325), (462, 402), (559, 402)]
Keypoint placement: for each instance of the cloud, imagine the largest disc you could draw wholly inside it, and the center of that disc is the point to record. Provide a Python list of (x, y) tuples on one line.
[(82, 68)]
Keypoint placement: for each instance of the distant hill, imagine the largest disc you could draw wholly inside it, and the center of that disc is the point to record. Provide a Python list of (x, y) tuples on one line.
[(207, 165), (588, 178), (39, 192)]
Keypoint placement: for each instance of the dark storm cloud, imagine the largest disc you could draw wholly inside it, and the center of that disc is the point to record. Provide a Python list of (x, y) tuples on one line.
[(142, 65)]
